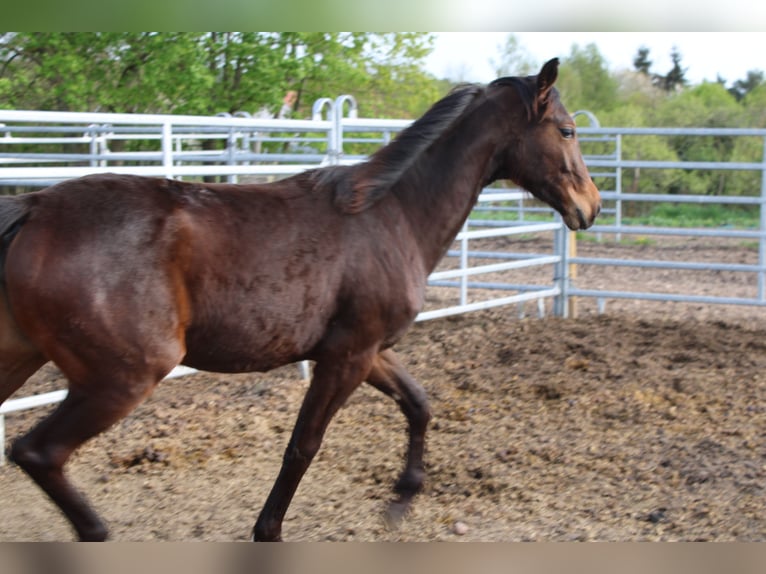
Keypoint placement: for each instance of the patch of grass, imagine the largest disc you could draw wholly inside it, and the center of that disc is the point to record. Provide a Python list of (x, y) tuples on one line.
[(591, 237), (642, 241), (508, 216), (698, 215)]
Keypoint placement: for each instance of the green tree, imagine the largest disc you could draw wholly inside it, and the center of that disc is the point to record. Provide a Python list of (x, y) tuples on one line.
[(514, 60), (706, 105), (200, 73), (754, 104), (112, 72), (585, 81)]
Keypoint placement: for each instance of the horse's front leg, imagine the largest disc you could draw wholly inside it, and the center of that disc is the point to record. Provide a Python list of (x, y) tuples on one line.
[(389, 376), (333, 382)]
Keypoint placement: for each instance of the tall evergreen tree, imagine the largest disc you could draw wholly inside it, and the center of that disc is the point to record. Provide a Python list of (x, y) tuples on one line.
[(676, 77), (741, 88), (641, 61)]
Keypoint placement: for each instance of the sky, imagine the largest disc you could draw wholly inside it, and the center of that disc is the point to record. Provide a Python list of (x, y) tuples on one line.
[(466, 56)]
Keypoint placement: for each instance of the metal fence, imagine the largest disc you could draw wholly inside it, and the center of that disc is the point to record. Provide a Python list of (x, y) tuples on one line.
[(611, 168), (608, 167), (40, 148)]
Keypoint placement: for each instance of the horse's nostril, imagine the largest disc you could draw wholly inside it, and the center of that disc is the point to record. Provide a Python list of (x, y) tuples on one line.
[(581, 219)]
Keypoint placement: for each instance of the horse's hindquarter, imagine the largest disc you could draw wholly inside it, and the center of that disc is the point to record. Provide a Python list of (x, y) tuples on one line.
[(89, 277), (137, 267)]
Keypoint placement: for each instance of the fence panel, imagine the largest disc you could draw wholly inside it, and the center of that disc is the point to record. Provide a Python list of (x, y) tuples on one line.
[(41, 148), (620, 163)]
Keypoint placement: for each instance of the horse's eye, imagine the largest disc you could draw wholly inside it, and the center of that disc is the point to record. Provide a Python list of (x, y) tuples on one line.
[(568, 133)]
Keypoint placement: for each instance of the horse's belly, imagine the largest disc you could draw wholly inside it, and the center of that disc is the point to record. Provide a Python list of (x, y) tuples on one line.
[(249, 346)]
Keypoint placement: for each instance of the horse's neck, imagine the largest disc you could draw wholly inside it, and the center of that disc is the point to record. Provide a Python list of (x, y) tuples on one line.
[(446, 183)]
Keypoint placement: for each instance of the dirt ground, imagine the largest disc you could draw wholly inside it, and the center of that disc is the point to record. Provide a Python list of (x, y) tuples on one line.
[(646, 422)]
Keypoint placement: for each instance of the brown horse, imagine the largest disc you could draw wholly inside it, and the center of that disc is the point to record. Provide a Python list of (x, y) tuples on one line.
[(117, 279)]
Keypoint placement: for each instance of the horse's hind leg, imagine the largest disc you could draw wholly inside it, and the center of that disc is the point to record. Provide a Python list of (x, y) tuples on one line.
[(19, 360), (42, 452), (333, 382), (389, 376)]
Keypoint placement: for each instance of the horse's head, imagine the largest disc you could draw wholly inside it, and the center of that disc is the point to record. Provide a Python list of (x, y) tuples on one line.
[(544, 157)]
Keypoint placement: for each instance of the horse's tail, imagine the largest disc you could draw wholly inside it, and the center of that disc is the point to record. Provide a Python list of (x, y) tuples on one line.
[(13, 213)]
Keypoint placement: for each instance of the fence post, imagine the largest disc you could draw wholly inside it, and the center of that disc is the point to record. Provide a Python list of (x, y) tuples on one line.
[(92, 131), (167, 149), (337, 118), (332, 139), (464, 265), (762, 237), (618, 184), (571, 271), (561, 270), (231, 153)]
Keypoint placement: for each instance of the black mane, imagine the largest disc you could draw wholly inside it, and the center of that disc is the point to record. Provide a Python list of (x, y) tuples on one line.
[(387, 165)]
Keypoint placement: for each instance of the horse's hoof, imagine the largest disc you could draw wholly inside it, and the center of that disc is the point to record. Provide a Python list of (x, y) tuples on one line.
[(256, 538), (395, 513)]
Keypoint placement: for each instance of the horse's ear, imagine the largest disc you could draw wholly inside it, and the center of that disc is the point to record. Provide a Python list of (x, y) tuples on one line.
[(545, 80)]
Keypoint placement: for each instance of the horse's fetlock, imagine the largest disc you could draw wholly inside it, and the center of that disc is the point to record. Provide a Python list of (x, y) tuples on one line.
[(410, 482)]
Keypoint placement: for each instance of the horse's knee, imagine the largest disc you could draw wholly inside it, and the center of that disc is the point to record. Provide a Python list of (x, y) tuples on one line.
[(44, 465)]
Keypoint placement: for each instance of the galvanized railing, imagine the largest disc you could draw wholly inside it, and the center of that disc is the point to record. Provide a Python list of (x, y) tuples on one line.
[(331, 136), (615, 163), (39, 148), (173, 146)]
